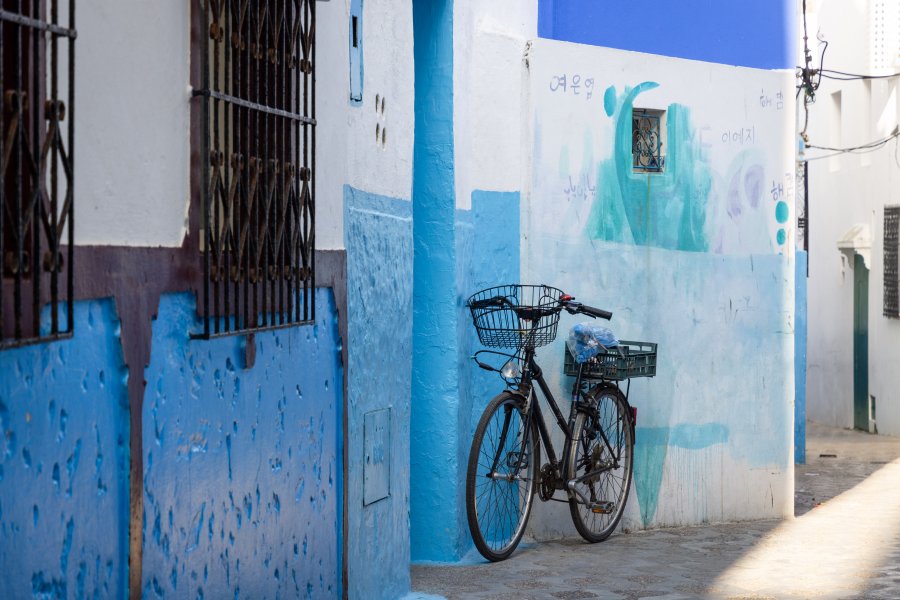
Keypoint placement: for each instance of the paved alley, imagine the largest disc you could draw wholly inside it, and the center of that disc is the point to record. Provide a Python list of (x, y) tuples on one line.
[(844, 543)]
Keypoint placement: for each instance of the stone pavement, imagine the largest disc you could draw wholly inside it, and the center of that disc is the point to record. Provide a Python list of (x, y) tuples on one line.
[(845, 543)]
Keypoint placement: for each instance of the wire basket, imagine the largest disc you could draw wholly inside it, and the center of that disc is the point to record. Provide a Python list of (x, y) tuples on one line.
[(515, 316), (628, 359)]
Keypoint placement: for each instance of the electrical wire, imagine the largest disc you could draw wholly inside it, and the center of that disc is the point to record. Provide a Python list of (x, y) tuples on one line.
[(843, 76), (862, 149), (874, 144)]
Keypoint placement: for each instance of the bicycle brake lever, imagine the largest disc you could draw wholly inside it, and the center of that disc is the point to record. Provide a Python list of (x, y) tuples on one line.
[(484, 366)]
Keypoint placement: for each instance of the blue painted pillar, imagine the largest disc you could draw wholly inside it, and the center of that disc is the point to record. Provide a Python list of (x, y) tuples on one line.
[(435, 521), (800, 359)]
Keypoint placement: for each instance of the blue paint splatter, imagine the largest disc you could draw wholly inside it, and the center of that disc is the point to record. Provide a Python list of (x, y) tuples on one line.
[(782, 213), (609, 100)]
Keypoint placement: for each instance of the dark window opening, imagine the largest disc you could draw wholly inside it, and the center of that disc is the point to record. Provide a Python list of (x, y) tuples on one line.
[(37, 83), (258, 160), (892, 262), (355, 32), (647, 132)]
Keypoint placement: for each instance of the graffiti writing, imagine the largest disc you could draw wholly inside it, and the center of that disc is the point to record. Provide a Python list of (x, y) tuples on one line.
[(768, 101), (580, 188), (574, 84), (741, 136)]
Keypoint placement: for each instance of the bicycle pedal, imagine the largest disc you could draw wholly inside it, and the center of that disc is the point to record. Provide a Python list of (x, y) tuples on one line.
[(602, 508)]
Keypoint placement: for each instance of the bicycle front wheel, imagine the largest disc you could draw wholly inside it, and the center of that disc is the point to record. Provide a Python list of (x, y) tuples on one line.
[(502, 471), (600, 461)]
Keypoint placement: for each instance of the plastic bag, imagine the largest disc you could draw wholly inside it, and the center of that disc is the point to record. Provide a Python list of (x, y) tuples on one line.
[(587, 340)]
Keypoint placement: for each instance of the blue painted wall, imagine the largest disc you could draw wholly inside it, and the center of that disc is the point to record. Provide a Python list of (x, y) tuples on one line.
[(242, 467), (378, 233), (800, 329), (435, 522), (487, 251), (757, 33), (64, 463)]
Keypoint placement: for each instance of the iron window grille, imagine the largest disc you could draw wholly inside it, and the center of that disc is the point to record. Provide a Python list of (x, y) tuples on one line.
[(37, 72), (258, 159), (891, 261), (646, 140)]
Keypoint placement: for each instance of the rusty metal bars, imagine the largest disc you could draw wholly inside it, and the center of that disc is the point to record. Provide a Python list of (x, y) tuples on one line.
[(258, 154), (37, 171)]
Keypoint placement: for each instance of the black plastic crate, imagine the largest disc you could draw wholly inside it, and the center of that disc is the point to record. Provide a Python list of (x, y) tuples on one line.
[(628, 359)]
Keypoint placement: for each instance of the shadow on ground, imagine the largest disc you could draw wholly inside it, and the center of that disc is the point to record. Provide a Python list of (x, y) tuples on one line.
[(845, 543)]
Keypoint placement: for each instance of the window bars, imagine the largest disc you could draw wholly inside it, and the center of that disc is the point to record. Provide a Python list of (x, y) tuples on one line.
[(646, 141), (258, 156), (37, 71), (892, 262)]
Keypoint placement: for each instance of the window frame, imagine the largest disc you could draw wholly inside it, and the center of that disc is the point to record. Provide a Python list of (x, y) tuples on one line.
[(37, 176), (891, 250), (256, 222)]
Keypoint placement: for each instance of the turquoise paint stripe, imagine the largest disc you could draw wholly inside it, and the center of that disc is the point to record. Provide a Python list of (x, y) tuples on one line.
[(686, 435), (436, 524), (651, 448)]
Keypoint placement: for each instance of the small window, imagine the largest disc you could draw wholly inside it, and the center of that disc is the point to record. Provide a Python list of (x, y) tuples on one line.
[(891, 260), (647, 132), (257, 158), (36, 178)]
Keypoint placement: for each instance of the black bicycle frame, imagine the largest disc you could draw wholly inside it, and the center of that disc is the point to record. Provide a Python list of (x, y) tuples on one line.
[(534, 373)]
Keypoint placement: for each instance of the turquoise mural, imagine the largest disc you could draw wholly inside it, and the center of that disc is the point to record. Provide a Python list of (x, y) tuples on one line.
[(667, 209), (650, 456)]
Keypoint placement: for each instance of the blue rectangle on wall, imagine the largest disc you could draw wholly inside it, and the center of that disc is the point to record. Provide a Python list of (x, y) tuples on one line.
[(757, 34)]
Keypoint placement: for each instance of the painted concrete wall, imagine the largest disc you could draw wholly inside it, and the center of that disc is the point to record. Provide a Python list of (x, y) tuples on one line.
[(843, 191), (757, 34), (698, 259), (379, 263), (243, 475), (242, 467), (64, 463), (499, 145)]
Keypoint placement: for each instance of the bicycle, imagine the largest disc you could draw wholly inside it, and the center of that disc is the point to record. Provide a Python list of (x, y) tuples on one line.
[(503, 471)]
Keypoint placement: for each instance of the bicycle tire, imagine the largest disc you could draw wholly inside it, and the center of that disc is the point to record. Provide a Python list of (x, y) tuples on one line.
[(498, 510), (588, 453)]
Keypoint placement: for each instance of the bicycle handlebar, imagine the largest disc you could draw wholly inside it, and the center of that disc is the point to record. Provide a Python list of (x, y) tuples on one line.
[(533, 313), (590, 311)]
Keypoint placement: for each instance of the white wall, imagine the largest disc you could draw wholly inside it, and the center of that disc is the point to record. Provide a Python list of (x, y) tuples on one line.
[(346, 146), (490, 95), (132, 122), (846, 190)]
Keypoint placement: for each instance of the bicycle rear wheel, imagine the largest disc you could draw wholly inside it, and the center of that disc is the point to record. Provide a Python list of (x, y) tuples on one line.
[(501, 476), (600, 458)]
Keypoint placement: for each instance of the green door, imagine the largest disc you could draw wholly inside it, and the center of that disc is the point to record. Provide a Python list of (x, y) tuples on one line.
[(860, 344)]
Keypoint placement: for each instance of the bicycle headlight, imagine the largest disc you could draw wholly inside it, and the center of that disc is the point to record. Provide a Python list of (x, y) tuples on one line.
[(511, 369)]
